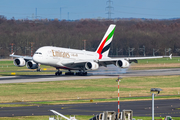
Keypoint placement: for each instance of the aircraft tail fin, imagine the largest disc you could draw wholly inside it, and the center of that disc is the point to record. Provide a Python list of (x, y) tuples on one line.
[(104, 46), (170, 56)]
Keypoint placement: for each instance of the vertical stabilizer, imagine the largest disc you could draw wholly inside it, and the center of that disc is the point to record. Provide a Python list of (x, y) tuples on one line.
[(104, 46)]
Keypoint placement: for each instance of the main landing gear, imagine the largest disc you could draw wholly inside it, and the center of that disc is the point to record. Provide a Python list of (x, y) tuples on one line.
[(58, 72), (81, 73), (69, 73)]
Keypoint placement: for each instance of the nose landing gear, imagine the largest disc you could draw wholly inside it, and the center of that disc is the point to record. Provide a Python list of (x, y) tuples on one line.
[(38, 69)]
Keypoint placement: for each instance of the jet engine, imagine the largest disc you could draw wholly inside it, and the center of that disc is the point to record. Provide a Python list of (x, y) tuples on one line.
[(122, 63), (20, 62), (91, 66), (31, 65)]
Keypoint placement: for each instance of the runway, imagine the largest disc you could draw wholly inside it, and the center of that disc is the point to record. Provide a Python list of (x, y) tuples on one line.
[(102, 73), (140, 108)]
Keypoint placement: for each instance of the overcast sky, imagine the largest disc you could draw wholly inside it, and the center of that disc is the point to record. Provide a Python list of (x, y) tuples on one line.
[(82, 9)]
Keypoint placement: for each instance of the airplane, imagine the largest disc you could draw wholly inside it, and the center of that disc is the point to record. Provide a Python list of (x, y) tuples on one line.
[(73, 59)]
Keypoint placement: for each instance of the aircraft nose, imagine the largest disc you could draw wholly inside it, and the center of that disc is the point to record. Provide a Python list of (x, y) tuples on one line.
[(36, 58)]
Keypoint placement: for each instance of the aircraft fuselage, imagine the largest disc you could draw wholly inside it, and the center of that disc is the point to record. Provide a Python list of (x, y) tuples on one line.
[(59, 57)]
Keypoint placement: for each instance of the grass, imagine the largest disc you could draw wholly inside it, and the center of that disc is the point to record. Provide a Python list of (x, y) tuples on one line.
[(161, 63), (101, 100), (79, 117), (16, 105), (7, 67), (75, 101), (150, 118), (160, 60), (63, 91)]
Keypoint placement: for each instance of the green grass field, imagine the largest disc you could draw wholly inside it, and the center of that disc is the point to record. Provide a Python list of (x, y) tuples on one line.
[(7, 67), (163, 63), (89, 89), (79, 117), (82, 91), (160, 61)]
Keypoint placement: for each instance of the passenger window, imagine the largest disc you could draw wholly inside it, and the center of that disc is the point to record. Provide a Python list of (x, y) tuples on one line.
[(38, 53)]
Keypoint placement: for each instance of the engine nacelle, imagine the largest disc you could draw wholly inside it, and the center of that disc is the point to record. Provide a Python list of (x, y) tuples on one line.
[(122, 63), (20, 62), (31, 65), (91, 66)]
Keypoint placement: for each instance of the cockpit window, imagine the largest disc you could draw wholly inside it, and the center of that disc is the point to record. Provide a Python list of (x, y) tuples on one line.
[(38, 53)]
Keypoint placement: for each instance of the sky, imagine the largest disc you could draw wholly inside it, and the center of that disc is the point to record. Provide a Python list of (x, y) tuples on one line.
[(93, 9)]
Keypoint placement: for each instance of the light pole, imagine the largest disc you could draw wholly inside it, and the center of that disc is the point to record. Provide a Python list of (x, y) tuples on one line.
[(154, 90), (118, 93), (31, 48), (84, 44)]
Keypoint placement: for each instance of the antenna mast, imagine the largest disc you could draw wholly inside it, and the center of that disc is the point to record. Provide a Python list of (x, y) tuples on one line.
[(109, 8)]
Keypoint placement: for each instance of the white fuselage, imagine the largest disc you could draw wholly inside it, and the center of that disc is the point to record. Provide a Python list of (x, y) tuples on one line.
[(60, 57)]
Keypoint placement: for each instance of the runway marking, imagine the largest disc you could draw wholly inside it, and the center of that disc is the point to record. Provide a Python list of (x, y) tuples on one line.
[(92, 75)]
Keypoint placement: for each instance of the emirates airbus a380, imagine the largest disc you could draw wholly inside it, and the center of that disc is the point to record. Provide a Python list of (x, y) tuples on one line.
[(73, 59)]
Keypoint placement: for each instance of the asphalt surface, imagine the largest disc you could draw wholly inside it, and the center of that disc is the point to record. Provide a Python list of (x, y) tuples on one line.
[(102, 73), (140, 108)]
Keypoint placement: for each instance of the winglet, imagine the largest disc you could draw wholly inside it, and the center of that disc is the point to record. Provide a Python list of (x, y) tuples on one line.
[(170, 56), (11, 54)]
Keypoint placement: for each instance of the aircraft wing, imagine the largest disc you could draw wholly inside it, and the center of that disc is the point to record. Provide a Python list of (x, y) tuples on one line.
[(56, 113), (107, 61), (19, 56)]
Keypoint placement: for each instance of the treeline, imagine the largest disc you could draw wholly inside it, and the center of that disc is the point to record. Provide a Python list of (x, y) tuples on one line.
[(131, 36)]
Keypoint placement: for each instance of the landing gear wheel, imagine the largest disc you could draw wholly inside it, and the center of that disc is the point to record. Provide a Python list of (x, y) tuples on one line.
[(69, 73), (81, 73), (85, 73), (58, 73), (38, 70)]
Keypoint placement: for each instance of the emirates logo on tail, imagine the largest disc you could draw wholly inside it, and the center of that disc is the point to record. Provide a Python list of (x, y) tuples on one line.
[(104, 47)]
